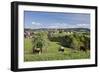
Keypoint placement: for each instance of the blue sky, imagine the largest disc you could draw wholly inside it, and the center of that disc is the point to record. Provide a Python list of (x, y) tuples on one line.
[(36, 20)]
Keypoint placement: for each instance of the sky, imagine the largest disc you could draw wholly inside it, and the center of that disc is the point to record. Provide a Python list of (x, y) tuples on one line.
[(37, 20)]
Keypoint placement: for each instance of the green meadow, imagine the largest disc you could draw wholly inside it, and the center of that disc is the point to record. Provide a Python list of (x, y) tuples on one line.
[(52, 43)]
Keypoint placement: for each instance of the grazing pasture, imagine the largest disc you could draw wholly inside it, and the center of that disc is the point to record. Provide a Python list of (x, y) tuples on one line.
[(51, 43)]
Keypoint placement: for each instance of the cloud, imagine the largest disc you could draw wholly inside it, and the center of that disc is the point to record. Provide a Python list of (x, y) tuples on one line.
[(33, 22), (83, 25), (57, 25), (37, 25)]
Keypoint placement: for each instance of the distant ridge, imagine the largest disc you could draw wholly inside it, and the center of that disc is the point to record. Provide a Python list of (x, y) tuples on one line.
[(65, 29)]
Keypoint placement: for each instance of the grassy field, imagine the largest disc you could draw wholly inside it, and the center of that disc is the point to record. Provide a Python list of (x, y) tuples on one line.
[(52, 52)]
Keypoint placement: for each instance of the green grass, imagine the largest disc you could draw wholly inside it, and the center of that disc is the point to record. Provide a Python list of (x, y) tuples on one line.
[(27, 46), (56, 56), (52, 52)]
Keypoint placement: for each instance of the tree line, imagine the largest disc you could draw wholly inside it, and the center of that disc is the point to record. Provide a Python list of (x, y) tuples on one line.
[(74, 41)]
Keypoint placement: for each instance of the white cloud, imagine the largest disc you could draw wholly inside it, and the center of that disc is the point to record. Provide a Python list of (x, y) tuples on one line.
[(83, 25), (37, 25), (33, 22), (58, 25)]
